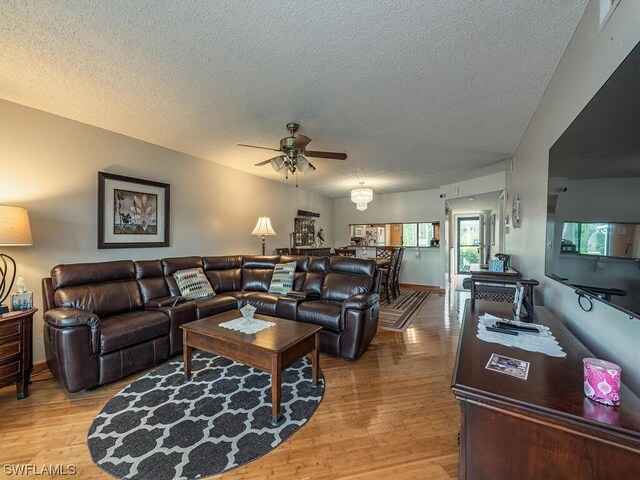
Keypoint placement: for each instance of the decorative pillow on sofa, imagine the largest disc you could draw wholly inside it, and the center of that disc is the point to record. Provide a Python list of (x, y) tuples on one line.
[(282, 279), (193, 283)]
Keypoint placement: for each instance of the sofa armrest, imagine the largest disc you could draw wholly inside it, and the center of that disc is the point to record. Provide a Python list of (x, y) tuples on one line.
[(303, 295), (361, 301), (75, 317), (163, 302)]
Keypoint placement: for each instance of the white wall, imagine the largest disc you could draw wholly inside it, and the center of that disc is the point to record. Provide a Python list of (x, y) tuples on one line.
[(587, 63), (405, 207), (49, 165)]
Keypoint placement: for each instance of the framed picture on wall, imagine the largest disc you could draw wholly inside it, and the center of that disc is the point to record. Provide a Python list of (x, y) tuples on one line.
[(132, 212)]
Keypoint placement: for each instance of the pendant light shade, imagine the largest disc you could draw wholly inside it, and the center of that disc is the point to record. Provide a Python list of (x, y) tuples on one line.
[(361, 196)]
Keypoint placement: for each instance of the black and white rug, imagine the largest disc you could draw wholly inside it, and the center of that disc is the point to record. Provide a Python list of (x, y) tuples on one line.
[(163, 426)]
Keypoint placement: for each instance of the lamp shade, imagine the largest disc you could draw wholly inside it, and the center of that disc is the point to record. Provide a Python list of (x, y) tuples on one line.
[(361, 196), (263, 227), (15, 229)]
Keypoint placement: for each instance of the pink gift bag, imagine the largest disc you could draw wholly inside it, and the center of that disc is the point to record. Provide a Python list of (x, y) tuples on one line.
[(602, 381)]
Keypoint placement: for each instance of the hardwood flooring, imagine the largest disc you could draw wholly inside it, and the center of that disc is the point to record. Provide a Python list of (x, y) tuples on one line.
[(389, 415)]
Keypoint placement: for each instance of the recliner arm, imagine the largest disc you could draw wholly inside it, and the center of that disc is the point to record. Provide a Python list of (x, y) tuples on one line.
[(163, 302), (303, 295), (75, 317), (361, 301)]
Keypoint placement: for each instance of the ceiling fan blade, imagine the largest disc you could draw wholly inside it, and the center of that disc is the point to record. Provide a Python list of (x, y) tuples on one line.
[(255, 146), (332, 155), (301, 141)]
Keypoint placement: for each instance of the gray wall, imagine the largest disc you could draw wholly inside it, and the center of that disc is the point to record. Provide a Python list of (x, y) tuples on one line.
[(589, 60)]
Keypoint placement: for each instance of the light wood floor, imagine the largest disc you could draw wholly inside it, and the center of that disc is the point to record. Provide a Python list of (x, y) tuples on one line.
[(389, 415)]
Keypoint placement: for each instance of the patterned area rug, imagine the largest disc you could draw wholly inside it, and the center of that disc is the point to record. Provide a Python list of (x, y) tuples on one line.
[(163, 426), (398, 315)]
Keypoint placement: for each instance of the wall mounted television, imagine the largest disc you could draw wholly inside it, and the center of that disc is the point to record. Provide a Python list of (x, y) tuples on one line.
[(593, 213)]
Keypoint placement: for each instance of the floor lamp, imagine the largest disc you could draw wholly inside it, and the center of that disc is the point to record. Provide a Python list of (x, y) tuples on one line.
[(263, 228), (15, 230)]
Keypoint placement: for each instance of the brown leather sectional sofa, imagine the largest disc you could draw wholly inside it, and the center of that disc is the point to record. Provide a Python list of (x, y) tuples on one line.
[(104, 321)]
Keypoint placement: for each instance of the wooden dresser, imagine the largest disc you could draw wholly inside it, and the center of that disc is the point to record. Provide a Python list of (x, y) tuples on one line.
[(543, 427), (16, 344), (311, 251)]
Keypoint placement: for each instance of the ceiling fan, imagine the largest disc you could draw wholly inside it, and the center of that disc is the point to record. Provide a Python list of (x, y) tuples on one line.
[(294, 149)]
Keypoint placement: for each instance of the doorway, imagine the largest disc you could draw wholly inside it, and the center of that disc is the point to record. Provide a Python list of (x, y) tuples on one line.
[(468, 242)]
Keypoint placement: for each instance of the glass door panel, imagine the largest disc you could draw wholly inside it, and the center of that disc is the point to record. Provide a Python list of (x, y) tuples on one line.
[(468, 243)]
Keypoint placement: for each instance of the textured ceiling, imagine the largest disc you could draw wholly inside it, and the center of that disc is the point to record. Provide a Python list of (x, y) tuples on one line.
[(419, 94)]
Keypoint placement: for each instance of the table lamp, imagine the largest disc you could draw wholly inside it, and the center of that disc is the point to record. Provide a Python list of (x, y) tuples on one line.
[(263, 228), (15, 230)]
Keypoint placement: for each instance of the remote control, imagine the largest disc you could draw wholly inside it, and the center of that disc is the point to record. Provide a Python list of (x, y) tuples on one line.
[(511, 326), (502, 330)]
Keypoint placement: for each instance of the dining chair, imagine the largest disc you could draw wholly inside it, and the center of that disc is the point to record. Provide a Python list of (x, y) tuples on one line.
[(388, 272), (396, 274), (384, 252)]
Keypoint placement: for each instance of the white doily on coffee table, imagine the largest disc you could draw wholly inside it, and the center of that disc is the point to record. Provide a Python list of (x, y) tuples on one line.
[(247, 326)]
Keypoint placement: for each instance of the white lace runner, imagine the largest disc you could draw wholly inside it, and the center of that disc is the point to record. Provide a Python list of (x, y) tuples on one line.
[(544, 342), (247, 326)]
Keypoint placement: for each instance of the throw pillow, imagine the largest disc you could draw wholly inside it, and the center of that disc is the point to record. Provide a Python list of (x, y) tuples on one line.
[(193, 283), (282, 279)]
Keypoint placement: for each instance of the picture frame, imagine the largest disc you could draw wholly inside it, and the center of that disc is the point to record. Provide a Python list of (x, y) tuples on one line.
[(515, 211), (132, 212), (518, 297)]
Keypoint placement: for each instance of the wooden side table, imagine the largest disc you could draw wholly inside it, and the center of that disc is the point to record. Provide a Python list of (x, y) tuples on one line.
[(16, 346)]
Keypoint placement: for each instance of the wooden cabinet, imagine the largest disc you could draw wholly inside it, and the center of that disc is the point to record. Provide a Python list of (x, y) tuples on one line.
[(311, 251), (16, 344), (543, 427)]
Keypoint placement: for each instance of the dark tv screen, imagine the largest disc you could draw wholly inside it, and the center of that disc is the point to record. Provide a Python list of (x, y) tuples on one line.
[(593, 215)]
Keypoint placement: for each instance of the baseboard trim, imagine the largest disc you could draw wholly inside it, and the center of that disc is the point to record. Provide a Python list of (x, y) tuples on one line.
[(425, 288), (40, 368)]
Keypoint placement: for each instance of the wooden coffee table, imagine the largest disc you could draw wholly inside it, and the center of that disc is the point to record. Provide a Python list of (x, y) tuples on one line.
[(271, 350)]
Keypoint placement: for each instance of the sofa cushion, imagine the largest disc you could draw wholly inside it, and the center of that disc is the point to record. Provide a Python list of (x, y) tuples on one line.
[(130, 328), (213, 305), (340, 286), (282, 278), (172, 265), (84, 273), (265, 303), (256, 272), (193, 284), (324, 313), (302, 266), (224, 272), (151, 280), (103, 299)]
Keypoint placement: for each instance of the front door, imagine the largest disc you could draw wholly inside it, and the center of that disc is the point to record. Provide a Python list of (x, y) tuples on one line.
[(468, 242)]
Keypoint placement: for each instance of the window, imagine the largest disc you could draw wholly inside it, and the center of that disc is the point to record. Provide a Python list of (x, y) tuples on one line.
[(606, 9), (588, 238), (417, 234), (409, 234)]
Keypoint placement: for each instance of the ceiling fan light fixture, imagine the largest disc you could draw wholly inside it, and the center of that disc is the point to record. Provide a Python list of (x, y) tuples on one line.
[(361, 196), (303, 164), (277, 163)]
